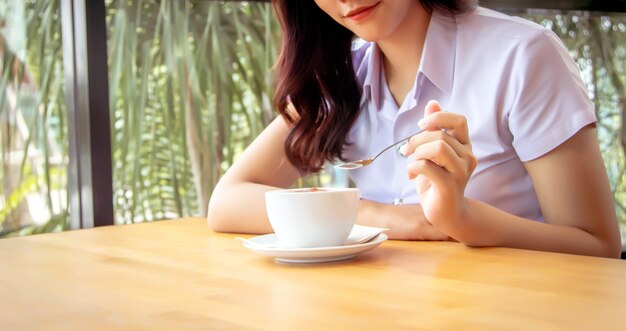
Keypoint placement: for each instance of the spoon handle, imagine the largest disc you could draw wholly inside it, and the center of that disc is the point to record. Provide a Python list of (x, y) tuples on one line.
[(365, 162), (396, 143)]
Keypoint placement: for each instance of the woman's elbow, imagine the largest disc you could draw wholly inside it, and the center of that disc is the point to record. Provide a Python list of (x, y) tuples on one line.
[(613, 241), (214, 223), (608, 245), (614, 248), (216, 215)]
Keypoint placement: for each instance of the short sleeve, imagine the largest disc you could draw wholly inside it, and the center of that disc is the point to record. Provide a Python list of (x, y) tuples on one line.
[(550, 102)]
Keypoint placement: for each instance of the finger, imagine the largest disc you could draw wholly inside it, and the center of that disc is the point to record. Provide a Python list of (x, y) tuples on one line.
[(447, 152), (443, 155), (432, 106), (454, 124), (429, 136), (464, 160), (435, 174), (422, 183)]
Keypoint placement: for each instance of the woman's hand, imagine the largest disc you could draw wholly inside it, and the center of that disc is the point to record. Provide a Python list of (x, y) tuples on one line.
[(442, 165), (405, 222)]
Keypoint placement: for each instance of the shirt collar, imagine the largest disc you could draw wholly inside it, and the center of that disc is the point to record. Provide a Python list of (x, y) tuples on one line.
[(371, 84), (437, 64), (439, 55)]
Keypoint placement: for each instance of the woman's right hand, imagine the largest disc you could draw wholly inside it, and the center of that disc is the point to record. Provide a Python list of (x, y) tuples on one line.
[(442, 164)]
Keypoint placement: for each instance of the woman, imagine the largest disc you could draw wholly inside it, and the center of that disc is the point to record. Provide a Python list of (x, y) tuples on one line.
[(512, 161)]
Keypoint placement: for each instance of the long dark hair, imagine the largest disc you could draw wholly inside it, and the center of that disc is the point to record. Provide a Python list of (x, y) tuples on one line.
[(315, 73)]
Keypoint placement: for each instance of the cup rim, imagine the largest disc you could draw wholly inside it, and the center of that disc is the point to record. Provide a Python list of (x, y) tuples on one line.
[(323, 190)]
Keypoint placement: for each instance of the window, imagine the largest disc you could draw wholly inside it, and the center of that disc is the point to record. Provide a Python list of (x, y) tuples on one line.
[(33, 129), (189, 87)]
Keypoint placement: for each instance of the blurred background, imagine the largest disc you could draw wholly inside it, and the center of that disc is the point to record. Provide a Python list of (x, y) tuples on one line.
[(172, 91)]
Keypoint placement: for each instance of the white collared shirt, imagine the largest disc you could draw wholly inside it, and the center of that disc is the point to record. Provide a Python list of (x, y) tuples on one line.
[(519, 89)]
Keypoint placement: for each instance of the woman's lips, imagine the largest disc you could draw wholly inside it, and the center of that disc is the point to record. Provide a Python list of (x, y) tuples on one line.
[(361, 12)]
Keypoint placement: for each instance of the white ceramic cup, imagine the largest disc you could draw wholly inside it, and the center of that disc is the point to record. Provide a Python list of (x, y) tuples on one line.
[(312, 217)]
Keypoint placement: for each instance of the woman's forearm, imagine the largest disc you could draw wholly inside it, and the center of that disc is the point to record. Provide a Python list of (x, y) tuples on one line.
[(485, 225), (239, 208)]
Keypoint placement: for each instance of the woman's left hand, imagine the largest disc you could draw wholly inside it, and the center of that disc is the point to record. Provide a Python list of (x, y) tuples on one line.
[(442, 163)]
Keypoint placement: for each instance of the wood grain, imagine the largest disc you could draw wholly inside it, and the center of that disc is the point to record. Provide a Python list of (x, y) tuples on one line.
[(179, 275)]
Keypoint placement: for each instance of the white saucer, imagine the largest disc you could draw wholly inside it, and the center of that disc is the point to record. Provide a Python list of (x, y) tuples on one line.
[(263, 245)]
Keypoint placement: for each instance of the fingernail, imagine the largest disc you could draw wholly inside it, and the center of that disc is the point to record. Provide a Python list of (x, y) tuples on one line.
[(402, 149), (422, 123)]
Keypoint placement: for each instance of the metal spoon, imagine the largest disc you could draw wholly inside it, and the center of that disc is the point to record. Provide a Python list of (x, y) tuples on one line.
[(362, 163)]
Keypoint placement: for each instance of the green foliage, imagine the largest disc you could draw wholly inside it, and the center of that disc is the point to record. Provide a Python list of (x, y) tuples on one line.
[(55, 224), (33, 139), (190, 86)]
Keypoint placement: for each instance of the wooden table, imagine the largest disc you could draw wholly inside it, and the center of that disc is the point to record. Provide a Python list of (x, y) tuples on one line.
[(179, 275)]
